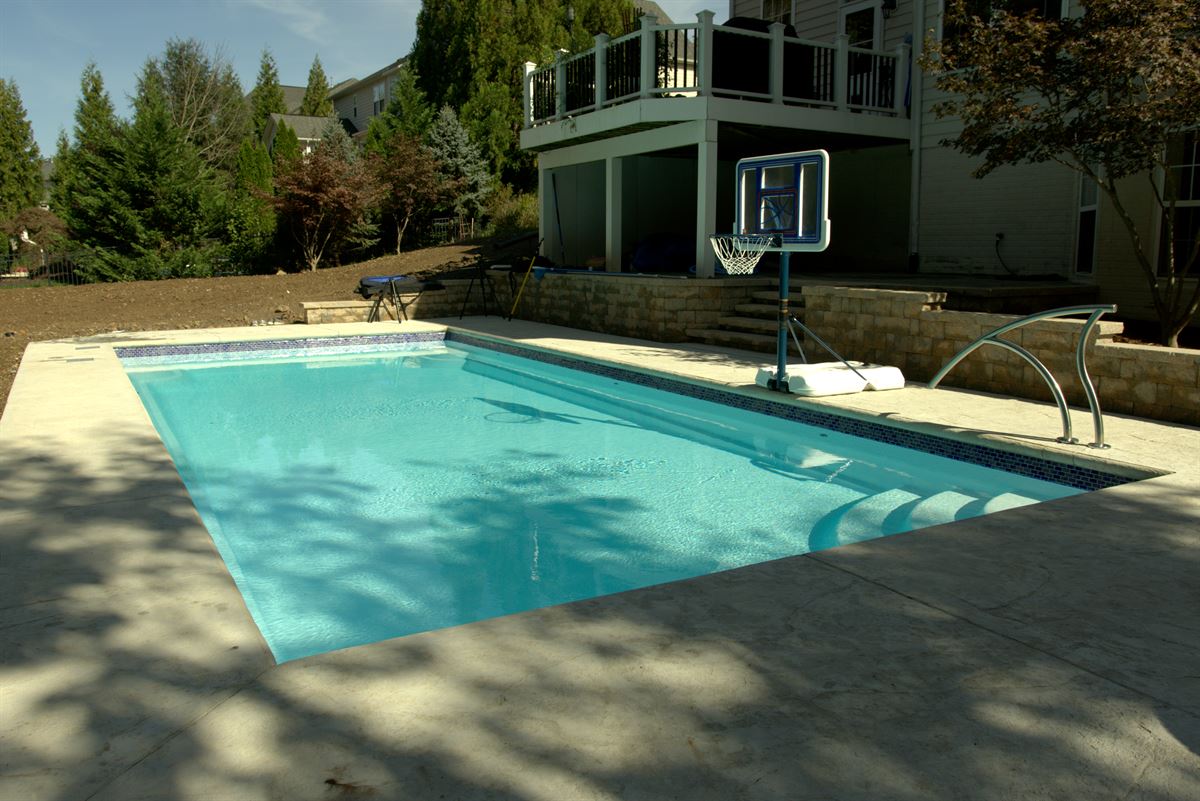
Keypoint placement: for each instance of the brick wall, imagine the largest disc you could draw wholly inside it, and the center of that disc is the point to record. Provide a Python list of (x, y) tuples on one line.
[(911, 331)]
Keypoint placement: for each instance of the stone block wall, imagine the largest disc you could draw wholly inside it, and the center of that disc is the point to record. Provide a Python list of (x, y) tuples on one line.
[(911, 331), (425, 306), (645, 307)]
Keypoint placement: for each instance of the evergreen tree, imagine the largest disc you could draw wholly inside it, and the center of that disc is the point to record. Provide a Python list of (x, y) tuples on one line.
[(336, 141), (205, 99), (460, 162), (253, 167), (286, 147), (408, 112), (20, 161), (61, 174), (167, 188), (249, 225), (266, 98), (469, 54), (316, 101), (85, 192)]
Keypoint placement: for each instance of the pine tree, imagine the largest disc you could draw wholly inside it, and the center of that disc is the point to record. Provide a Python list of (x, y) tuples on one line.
[(468, 54), (336, 141), (460, 161), (167, 189), (266, 98), (85, 192), (253, 166), (20, 160), (285, 148), (408, 112), (316, 101)]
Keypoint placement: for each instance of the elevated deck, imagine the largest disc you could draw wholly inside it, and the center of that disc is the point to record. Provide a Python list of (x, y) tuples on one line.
[(666, 74)]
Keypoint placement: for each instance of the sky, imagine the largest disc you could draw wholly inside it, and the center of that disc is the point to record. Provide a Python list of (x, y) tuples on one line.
[(45, 44)]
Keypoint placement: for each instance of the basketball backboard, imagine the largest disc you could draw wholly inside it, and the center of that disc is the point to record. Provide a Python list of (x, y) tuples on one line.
[(785, 195)]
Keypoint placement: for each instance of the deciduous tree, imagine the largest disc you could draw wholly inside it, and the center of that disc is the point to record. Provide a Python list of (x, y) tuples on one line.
[(321, 200), (1105, 94), (204, 97), (20, 160), (413, 185)]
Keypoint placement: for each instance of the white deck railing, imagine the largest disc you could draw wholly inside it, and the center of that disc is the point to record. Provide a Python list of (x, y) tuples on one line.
[(686, 60)]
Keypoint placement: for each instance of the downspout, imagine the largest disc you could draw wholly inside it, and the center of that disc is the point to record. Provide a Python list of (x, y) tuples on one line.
[(916, 131)]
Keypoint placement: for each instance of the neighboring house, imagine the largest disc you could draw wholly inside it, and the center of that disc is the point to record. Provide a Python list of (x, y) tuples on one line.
[(309, 130), (355, 102), (654, 154), (293, 98)]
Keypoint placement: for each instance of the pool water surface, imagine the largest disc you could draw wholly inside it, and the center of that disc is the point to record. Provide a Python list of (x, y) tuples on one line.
[(360, 497)]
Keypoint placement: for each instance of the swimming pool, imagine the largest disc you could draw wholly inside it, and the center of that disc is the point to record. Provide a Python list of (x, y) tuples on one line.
[(357, 496)]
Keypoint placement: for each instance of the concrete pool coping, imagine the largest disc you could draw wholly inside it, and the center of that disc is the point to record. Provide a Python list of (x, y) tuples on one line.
[(1047, 651)]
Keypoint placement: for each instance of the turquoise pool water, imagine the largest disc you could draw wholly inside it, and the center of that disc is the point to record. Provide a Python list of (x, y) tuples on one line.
[(361, 497)]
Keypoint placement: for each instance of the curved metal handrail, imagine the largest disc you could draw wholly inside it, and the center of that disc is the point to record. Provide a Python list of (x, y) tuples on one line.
[(1095, 312)]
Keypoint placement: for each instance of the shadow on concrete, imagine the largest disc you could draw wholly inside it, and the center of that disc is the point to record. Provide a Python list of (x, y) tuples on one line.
[(1025, 654)]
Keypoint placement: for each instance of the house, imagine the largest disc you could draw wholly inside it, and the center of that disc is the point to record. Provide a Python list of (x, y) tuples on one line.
[(355, 102), (309, 130), (639, 136)]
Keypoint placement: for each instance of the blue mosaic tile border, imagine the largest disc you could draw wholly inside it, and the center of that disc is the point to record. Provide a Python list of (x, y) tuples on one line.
[(146, 355), (1084, 478)]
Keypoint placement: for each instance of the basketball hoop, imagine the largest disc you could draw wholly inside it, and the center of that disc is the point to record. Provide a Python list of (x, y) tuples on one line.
[(739, 253)]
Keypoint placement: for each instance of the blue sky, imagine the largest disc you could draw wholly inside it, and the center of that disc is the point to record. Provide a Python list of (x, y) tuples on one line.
[(44, 44)]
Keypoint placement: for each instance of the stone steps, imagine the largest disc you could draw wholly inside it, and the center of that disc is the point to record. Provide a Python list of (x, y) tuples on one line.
[(755, 325)]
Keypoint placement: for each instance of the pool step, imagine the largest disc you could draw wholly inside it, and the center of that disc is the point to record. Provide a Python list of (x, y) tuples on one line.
[(943, 507), (863, 519)]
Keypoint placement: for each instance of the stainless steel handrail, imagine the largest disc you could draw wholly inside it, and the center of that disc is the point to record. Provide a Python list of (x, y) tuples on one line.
[(1095, 312)]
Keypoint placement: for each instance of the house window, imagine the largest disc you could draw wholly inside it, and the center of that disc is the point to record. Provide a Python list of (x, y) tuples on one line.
[(1085, 245), (1183, 160), (862, 23), (378, 98), (777, 11)]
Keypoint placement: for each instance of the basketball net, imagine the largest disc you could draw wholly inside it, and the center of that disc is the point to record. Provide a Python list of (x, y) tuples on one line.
[(739, 253)]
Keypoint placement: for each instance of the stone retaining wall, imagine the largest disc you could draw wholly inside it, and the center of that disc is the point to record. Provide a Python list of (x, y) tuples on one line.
[(425, 306), (645, 307), (903, 328), (911, 331)]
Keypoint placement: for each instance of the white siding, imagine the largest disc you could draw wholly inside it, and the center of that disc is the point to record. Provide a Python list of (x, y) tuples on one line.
[(1034, 206)]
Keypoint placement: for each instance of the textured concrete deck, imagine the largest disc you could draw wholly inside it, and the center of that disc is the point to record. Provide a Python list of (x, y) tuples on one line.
[(1051, 651)]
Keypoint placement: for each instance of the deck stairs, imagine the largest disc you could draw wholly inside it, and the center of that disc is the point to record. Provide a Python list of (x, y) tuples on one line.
[(896, 510), (755, 324)]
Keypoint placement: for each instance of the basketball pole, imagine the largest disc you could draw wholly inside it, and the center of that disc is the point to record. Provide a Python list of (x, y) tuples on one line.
[(781, 345)]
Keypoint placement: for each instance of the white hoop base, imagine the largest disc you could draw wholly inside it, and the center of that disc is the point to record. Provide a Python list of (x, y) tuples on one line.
[(739, 253)]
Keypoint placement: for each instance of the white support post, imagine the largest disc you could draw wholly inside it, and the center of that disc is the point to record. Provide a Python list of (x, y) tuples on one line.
[(706, 198), (841, 71), (544, 208), (903, 70), (560, 85), (601, 71), (613, 211), (704, 49), (527, 95), (648, 83), (776, 68)]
